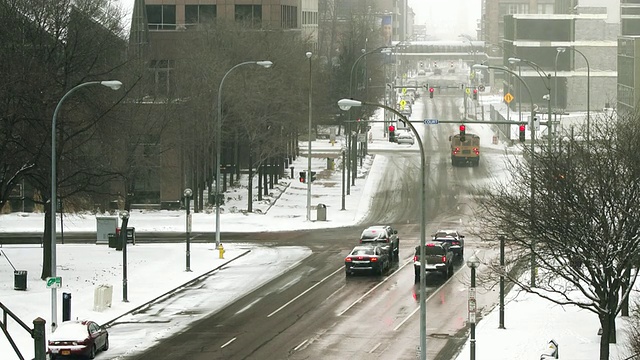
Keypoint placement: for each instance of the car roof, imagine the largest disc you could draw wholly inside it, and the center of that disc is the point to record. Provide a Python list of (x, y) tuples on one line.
[(71, 330)]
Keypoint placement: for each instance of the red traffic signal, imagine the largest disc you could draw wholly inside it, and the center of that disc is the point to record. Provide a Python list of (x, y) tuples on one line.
[(392, 128), (431, 92), (462, 132), (522, 128), (303, 176), (475, 94), (431, 89)]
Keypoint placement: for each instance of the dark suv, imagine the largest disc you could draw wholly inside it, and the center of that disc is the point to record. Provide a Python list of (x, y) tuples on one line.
[(383, 234), (439, 257), (454, 238)]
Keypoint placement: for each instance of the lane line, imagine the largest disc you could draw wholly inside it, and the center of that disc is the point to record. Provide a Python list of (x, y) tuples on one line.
[(375, 348), (228, 342), (301, 345), (373, 288), (427, 299), (306, 291)]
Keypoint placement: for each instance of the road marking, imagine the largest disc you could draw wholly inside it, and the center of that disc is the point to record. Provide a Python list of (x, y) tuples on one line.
[(228, 342), (306, 291), (373, 288), (301, 345), (374, 348), (427, 299)]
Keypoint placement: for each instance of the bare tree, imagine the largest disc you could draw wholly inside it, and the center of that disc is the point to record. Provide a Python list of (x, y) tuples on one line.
[(575, 214)]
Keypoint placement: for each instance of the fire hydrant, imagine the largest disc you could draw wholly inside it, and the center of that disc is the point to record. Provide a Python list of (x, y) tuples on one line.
[(221, 250)]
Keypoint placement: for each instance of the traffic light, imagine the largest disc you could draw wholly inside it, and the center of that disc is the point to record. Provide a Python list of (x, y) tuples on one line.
[(475, 94), (392, 133), (522, 127), (462, 132), (431, 92), (313, 176), (303, 176)]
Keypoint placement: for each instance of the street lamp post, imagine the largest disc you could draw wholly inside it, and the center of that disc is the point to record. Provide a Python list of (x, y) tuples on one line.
[(343, 178), (555, 77), (264, 63), (547, 84), (124, 215), (533, 140), (349, 147), (346, 104), (187, 197), (473, 262), (115, 85), (308, 178), (588, 85)]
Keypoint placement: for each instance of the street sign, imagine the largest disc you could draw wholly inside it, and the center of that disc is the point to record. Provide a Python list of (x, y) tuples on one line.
[(481, 87), (468, 91), (472, 317), (189, 222), (54, 282), (403, 102), (508, 98), (472, 293), (404, 90), (430, 121), (472, 305)]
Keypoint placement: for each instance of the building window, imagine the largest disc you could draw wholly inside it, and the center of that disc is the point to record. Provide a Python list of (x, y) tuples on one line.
[(161, 82), (508, 9), (161, 17), (545, 8), (250, 14), (289, 16), (199, 14)]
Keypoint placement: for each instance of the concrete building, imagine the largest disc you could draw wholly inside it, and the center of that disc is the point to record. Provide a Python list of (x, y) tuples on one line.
[(536, 38), (629, 58)]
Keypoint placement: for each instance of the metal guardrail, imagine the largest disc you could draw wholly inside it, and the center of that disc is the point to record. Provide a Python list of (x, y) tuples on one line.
[(37, 333)]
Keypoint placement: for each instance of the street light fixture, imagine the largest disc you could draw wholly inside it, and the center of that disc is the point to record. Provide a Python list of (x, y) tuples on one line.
[(346, 104), (308, 180), (264, 63), (473, 262), (187, 196), (124, 215), (588, 84), (532, 165), (115, 85)]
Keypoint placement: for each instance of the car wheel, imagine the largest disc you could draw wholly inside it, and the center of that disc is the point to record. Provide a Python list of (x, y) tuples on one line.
[(347, 272), (52, 357), (106, 344), (92, 353), (450, 272)]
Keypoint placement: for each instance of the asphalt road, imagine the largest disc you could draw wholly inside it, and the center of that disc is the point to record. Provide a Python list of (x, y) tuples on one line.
[(314, 312)]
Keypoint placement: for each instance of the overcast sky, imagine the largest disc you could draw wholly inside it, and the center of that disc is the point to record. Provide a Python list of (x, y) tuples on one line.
[(446, 19)]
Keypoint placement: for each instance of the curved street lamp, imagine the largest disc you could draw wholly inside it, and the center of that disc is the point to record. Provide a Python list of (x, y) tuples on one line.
[(265, 64), (124, 215), (114, 85), (547, 84), (346, 104), (533, 140), (473, 263), (588, 83), (187, 197)]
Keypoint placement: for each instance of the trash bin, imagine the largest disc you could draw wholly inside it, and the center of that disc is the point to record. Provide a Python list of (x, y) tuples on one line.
[(322, 212), (20, 280), (118, 242), (113, 238), (330, 164)]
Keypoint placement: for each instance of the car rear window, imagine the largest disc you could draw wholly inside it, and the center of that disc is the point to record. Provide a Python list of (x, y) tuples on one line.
[(363, 251), (431, 250), (371, 234)]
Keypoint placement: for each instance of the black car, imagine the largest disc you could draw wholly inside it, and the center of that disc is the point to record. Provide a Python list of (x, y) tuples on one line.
[(439, 257), (371, 258), (454, 238), (383, 234)]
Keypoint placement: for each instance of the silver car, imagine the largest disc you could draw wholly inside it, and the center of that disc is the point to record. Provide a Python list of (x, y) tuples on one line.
[(405, 138)]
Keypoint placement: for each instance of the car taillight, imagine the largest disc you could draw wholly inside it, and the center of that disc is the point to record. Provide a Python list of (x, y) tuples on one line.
[(455, 243), (444, 259), (373, 259), (475, 150), (415, 258), (347, 259), (456, 150)]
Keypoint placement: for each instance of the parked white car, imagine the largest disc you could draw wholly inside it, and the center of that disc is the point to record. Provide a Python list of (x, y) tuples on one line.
[(405, 138)]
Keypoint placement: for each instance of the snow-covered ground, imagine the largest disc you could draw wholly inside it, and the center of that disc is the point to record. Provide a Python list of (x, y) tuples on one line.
[(154, 269)]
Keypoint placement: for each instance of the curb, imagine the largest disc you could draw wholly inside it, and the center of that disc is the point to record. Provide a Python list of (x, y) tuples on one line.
[(113, 321)]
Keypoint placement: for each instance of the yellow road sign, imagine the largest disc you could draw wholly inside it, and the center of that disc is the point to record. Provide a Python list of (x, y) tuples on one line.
[(403, 103), (404, 90), (467, 91), (508, 98)]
